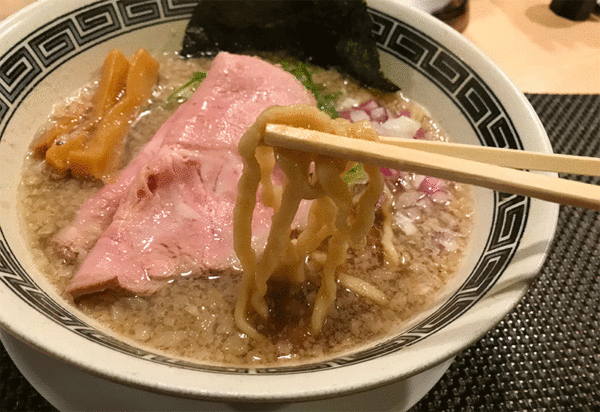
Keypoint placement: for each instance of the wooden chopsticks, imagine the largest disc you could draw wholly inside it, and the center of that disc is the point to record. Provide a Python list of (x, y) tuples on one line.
[(516, 159), (491, 176)]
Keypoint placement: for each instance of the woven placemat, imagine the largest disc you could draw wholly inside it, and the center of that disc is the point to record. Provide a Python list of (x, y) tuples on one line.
[(545, 355)]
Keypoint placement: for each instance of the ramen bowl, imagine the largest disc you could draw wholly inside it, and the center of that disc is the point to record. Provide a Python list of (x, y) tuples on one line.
[(51, 48)]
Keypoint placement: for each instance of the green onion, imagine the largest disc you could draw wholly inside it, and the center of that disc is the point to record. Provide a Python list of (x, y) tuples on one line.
[(355, 175), (325, 101), (182, 93)]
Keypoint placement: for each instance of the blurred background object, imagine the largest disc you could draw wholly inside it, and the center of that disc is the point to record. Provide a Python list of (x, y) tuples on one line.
[(8, 7), (453, 12), (538, 50), (577, 10)]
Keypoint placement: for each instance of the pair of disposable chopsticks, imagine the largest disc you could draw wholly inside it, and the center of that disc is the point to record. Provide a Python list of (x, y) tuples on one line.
[(493, 168)]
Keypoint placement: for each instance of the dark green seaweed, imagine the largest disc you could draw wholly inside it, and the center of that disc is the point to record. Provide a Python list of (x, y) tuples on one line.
[(328, 33)]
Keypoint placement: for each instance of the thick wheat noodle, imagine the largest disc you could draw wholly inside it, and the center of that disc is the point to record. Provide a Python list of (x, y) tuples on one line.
[(271, 196), (361, 287), (332, 213), (387, 233), (315, 232)]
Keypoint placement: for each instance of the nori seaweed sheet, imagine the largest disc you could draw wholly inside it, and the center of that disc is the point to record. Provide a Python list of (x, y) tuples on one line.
[(328, 33)]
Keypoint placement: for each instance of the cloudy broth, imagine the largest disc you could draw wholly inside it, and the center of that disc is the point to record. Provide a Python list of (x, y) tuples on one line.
[(192, 315)]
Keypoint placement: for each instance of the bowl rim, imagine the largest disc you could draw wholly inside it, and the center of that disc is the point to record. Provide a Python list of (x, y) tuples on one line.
[(259, 388)]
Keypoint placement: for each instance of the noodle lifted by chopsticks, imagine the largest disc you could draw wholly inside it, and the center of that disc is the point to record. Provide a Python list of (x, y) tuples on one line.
[(333, 215)]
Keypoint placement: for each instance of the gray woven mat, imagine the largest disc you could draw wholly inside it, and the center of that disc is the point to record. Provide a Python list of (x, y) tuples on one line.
[(545, 355)]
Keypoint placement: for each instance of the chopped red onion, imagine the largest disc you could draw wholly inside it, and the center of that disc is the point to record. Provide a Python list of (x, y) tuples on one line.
[(392, 174), (358, 116), (404, 178), (418, 179), (401, 127), (369, 106), (407, 199), (381, 131), (431, 185), (420, 134), (385, 121), (386, 172), (379, 114), (346, 114), (414, 213), (448, 220), (405, 224), (424, 202), (447, 241), (440, 197), (380, 201)]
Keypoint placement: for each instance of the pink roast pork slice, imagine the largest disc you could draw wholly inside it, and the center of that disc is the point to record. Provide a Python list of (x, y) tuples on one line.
[(171, 210)]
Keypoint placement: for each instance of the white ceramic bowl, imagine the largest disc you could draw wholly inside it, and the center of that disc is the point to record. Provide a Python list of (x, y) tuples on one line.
[(49, 50)]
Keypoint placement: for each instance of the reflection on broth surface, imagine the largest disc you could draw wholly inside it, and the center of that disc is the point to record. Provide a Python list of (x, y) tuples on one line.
[(421, 229)]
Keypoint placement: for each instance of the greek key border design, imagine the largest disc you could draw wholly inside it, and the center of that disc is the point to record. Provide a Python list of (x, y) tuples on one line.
[(46, 48), (26, 64), (452, 76)]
